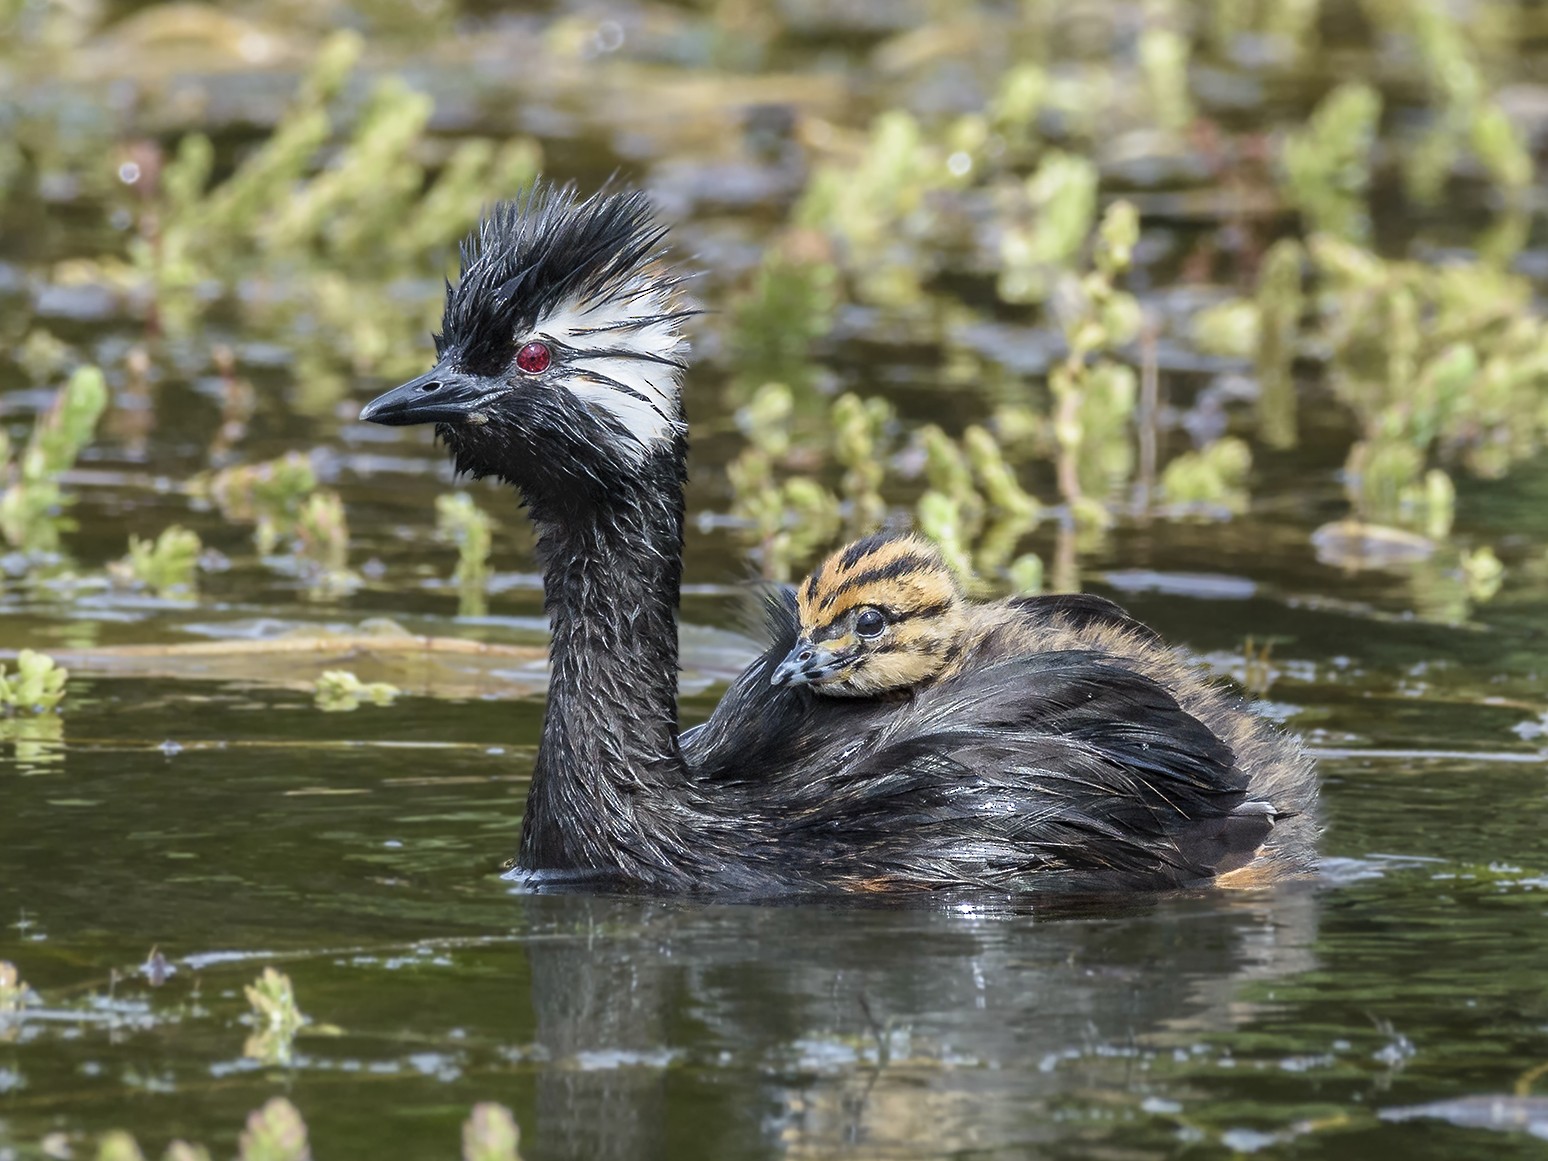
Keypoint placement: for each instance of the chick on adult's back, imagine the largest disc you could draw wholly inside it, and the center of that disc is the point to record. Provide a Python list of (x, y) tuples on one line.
[(886, 614)]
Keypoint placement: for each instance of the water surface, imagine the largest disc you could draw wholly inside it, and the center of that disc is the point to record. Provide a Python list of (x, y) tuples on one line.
[(228, 824)]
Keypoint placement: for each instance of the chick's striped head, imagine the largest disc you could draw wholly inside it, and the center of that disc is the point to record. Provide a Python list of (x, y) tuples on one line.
[(879, 615)]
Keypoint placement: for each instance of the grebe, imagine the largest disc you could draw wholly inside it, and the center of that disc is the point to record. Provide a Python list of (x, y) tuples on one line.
[(1069, 768), (886, 614)]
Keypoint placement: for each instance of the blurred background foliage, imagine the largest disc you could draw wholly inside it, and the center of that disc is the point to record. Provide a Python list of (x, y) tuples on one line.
[(1023, 274), (1190, 301)]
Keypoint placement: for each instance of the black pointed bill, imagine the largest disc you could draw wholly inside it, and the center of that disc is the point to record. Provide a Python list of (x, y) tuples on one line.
[(440, 395), (809, 664)]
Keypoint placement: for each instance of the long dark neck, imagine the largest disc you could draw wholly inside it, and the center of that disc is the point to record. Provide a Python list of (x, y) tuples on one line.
[(609, 761)]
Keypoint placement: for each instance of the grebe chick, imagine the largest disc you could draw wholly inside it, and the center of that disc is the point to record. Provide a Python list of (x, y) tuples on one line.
[(886, 614), (1091, 762), (881, 615)]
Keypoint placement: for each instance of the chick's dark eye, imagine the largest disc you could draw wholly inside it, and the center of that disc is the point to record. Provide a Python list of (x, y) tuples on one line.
[(534, 358), (870, 623)]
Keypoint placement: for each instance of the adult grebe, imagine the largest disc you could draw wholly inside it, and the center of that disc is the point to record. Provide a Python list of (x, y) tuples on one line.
[(1069, 768)]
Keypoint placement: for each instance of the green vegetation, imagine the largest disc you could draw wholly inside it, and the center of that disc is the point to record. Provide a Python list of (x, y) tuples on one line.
[(277, 1132), (269, 495), (1328, 163), (1445, 360), (1094, 395), (1048, 223), (459, 521), (37, 686), (322, 542), (1439, 364), (281, 498), (1213, 478), (275, 1018), (32, 504), (490, 1134), (339, 690), (13, 989), (788, 308), (1054, 283), (29, 698), (339, 211), (333, 222), (167, 565)]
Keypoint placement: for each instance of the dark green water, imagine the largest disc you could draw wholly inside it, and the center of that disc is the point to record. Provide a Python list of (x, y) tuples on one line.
[(359, 852), (233, 826)]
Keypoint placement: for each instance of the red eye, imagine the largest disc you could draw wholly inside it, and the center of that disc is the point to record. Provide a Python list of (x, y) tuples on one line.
[(534, 358)]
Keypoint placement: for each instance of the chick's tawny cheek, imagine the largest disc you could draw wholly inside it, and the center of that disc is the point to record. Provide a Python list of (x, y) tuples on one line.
[(534, 358)]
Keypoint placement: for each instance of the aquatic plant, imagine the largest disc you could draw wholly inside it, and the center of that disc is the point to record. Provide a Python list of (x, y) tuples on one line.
[(787, 520), (1006, 499), (118, 1146), (1019, 95), (788, 517), (1434, 361), (873, 199), (490, 1134), (275, 1018), (940, 518), (322, 542), (1093, 394), (340, 690), (282, 499), (1045, 223), (166, 565), (1327, 164), (459, 521), (1026, 573), (37, 686), (974, 505), (1164, 55), (269, 494), (32, 504), (14, 991), (1467, 117), (859, 434), (1482, 573), (950, 477), (275, 1132), (1211, 480), (789, 306), (278, 1132), (331, 226), (1279, 304), (1229, 328)]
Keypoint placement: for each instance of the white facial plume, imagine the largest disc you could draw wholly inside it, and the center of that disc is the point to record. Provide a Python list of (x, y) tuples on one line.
[(622, 354)]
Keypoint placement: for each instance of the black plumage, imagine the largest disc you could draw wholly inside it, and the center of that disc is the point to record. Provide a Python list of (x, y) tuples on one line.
[(1095, 762)]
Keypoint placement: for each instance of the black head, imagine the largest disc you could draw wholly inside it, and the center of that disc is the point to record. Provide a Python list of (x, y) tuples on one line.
[(561, 348)]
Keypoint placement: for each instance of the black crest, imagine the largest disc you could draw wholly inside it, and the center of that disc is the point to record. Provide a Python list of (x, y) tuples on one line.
[(535, 252)]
